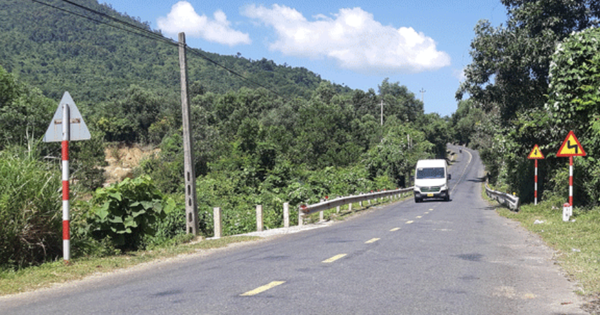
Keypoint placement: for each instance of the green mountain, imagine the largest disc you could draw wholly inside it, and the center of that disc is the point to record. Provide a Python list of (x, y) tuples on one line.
[(59, 47)]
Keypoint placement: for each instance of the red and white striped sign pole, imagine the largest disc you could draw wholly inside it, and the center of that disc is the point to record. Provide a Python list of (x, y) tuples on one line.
[(571, 181), (536, 180), (66, 135), (67, 119), (536, 154), (571, 147)]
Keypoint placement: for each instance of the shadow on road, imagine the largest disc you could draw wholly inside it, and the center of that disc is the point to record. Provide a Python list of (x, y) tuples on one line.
[(477, 180)]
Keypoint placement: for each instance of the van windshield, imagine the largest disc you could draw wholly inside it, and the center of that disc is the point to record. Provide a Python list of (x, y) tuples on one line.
[(426, 173)]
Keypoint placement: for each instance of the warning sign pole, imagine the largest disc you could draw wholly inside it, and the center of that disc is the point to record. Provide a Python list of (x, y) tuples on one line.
[(536, 178), (65, 182), (67, 119), (571, 147), (536, 154), (571, 181)]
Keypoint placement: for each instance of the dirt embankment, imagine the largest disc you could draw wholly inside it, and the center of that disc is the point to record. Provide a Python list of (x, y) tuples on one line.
[(123, 159)]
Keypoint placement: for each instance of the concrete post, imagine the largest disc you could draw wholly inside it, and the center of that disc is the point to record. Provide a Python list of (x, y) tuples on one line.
[(337, 209), (300, 218), (350, 207), (191, 206), (320, 216), (259, 218), (286, 215), (217, 222)]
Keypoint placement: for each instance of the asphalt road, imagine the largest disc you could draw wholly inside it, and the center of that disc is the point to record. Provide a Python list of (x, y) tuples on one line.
[(435, 257)]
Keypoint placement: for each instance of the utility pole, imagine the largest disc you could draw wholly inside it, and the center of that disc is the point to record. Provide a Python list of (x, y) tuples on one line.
[(382, 112), (422, 95), (191, 207)]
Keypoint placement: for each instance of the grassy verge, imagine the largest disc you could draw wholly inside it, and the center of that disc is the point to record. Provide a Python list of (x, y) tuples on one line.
[(57, 272), (577, 242)]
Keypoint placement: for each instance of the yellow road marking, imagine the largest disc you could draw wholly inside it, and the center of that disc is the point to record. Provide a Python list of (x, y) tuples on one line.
[(418, 217), (263, 288), (426, 212), (373, 240), (394, 229), (409, 222), (334, 258)]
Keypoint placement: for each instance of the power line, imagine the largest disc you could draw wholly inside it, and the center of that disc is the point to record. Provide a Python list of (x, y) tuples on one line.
[(198, 53), (150, 35), (155, 37)]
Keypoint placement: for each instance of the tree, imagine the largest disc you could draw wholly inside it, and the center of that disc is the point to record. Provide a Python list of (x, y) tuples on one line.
[(397, 154), (465, 120), (510, 64), (24, 112), (573, 100)]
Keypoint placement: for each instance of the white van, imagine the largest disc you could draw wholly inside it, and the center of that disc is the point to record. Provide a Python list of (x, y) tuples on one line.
[(431, 180)]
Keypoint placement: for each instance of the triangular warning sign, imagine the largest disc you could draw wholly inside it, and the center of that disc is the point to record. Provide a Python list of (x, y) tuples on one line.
[(536, 153), (571, 147), (78, 129)]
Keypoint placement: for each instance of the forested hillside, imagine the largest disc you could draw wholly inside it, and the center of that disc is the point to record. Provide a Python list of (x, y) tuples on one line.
[(56, 51), (297, 140)]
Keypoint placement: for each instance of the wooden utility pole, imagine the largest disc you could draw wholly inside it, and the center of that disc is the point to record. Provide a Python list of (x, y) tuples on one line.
[(191, 207)]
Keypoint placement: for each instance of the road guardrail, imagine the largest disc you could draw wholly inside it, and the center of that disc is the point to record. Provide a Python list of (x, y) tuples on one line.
[(512, 202), (340, 201)]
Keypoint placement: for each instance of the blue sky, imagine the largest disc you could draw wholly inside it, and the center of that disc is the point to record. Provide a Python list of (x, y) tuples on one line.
[(423, 45)]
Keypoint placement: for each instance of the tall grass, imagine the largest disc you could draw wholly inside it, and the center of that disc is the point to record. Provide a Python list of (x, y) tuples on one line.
[(30, 203)]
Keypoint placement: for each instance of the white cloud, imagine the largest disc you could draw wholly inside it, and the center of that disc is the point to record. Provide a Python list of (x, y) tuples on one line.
[(351, 37), (183, 18)]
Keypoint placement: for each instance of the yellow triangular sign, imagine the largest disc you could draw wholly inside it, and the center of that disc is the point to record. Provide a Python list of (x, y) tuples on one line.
[(571, 147), (536, 153)]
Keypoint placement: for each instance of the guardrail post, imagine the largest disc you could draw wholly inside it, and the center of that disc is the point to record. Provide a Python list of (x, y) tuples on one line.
[(320, 216), (337, 209), (259, 218), (286, 215), (217, 222), (360, 203), (300, 218), (350, 207)]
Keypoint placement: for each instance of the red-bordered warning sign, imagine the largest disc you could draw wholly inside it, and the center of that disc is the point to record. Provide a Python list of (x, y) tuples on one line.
[(571, 146), (536, 153)]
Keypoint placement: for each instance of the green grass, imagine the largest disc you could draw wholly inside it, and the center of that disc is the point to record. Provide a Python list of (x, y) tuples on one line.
[(32, 278), (577, 243)]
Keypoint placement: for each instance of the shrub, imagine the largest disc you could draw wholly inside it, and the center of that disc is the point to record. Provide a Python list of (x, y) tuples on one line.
[(127, 212), (171, 229)]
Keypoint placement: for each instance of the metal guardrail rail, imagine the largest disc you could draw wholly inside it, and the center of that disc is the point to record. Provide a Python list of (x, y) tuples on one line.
[(340, 201), (512, 202)]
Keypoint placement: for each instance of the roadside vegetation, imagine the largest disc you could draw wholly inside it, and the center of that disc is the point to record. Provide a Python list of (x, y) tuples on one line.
[(309, 139), (531, 82)]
